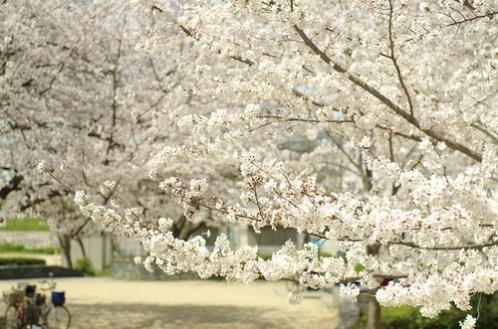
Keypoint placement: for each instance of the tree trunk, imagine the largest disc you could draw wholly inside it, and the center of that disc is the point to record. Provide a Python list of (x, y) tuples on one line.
[(82, 246), (373, 313), (374, 308), (65, 243)]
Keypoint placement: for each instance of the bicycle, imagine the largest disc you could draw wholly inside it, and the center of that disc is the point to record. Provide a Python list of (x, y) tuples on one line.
[(26, 308)]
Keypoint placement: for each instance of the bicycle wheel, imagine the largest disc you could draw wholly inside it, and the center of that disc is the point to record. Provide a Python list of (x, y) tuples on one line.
[(58, 317), (12, 318)]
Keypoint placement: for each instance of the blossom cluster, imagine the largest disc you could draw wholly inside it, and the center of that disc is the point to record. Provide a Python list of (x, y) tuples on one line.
[(370, 123)]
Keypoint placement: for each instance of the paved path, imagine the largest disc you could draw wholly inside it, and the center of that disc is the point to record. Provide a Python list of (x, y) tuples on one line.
[(105, 303)]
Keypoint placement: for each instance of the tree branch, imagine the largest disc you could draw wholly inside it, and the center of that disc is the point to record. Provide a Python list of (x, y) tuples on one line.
[(386, 101), (395, 62), (489, 15), (442, 248)]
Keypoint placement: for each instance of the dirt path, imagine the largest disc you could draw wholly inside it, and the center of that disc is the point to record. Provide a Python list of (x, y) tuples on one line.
[(105, 303)]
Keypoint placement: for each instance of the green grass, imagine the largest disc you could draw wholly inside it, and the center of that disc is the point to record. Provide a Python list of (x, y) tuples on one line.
[(25, 224), (7, 247), (409, 317)]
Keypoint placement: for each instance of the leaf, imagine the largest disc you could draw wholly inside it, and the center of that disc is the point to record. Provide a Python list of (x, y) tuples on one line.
[(359, 268)]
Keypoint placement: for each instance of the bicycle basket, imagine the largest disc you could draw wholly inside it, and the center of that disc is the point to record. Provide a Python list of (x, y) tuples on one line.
[(30, 290), (32, 313), (58, 298), (39, 299), (13, 297)]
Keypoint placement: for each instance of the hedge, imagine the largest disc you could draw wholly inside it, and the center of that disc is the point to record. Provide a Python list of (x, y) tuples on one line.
[(8, 247), (21, 261), (408, 317)]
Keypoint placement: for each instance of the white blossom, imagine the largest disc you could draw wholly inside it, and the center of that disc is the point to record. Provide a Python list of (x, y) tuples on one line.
[(469, 322)]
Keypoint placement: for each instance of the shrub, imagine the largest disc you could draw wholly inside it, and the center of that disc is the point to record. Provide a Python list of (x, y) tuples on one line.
[(325, 254), (7, 247), (21, 261), (85, 266), (264, 255), (408, 317)]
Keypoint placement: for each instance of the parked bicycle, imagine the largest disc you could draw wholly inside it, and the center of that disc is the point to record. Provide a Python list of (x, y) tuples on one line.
[(28, 309)]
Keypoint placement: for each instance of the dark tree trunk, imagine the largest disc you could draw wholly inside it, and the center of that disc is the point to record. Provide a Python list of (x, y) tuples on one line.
[(13, 185), (189, 229), (374, 315), (65, 243), (184, 229), (82, 246)]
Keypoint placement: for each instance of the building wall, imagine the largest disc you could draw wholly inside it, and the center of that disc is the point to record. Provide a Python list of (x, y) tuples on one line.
[(98, 250), (29, 239)]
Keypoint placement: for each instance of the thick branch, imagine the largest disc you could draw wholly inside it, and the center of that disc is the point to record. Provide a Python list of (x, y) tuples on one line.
[(445, 248), (386, 101), (295, 119), (13, 185)]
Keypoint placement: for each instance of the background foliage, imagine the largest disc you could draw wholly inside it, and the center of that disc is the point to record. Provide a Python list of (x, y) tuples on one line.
[(408, 317)]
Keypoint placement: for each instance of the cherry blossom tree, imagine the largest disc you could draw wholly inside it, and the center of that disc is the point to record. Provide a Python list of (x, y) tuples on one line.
[(79, 99), (369, 123), (395, 98)]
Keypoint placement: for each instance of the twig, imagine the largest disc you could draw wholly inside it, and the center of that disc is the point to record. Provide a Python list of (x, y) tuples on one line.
[(395, 62)]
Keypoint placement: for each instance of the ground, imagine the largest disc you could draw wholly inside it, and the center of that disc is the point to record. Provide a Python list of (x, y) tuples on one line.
[(105, 303)]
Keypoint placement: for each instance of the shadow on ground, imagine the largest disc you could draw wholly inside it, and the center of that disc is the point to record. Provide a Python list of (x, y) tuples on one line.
[(137, 316)]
